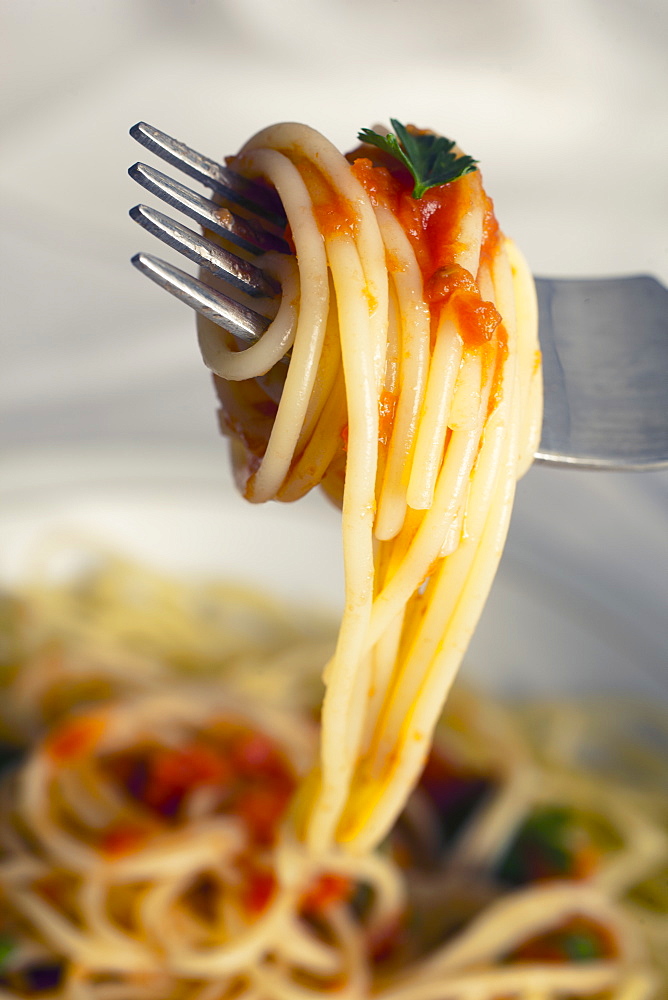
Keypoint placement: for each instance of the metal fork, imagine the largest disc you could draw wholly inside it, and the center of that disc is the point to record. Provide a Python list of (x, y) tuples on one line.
[(604, 340)]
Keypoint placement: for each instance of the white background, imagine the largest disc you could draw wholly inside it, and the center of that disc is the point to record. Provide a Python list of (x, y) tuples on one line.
[(562, 101)]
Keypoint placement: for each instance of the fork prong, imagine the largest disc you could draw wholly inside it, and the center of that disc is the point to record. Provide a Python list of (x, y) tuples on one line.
[(257, 199), (239, 231), (241, 273), (237, 319)]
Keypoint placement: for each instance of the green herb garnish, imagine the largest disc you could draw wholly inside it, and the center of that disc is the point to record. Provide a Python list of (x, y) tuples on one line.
[(428, 157)]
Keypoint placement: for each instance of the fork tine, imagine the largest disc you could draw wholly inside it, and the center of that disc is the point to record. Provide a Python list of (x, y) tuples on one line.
[(206, 212), (220, 262), (254, 197), (239, 320)]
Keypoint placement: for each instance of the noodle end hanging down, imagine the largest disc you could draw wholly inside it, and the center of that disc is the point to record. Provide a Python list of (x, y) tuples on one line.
[(413, 397)]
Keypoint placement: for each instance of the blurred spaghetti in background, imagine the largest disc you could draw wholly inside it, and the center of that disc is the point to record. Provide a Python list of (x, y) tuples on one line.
[(414, 396), (147, 830)]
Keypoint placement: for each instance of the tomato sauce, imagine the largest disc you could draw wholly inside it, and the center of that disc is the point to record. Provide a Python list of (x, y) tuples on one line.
[(247, 773), (258, 888), (492, 235), (75, 738), (434, 226), (333, 213), (123, 839), (386, 407), (325, 891)]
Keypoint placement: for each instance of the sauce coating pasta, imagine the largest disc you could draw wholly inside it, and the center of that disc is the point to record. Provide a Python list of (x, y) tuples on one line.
[(413, 395)]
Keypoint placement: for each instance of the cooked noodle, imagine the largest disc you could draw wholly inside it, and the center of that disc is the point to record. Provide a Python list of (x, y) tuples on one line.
[(184, 824), (440, 413), (127, 872)]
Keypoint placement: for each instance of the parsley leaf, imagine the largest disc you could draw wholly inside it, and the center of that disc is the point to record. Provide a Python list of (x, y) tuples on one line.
[(428, 157)]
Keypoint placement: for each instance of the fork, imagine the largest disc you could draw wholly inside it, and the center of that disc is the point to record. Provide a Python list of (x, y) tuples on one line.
[(604, 340)]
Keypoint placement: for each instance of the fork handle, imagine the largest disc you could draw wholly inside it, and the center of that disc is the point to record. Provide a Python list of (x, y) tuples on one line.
[(606, 389)]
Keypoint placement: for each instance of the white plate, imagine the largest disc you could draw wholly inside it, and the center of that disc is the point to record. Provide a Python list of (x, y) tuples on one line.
[(568, 611)]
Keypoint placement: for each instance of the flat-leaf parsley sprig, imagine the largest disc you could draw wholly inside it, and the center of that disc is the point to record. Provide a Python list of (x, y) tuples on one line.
[(428, 157)]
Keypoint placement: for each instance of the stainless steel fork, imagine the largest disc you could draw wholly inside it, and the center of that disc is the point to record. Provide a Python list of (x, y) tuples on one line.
[(604, 340)]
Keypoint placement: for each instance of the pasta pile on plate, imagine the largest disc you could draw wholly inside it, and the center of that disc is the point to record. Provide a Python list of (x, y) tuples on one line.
[(147, 847)]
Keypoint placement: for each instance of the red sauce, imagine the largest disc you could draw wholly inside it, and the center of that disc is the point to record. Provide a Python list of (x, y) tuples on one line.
[(123, 839), (476, 319), (174, 771), (333, 213), (327, 889), (434, 225), (381, 186), (261, 807), (445, 281), (388, 940), (332, 217), (247, 772), (492, 235), (75, 738), (245, 769), (499, 360), (386, 407), (258, 889)]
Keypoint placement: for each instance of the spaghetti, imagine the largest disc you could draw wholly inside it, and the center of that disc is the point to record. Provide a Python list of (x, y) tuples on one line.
[(182, 825), (413, 395), (147, 846)]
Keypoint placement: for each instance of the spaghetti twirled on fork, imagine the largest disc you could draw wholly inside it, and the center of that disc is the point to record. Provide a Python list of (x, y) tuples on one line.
[(413, 396)]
